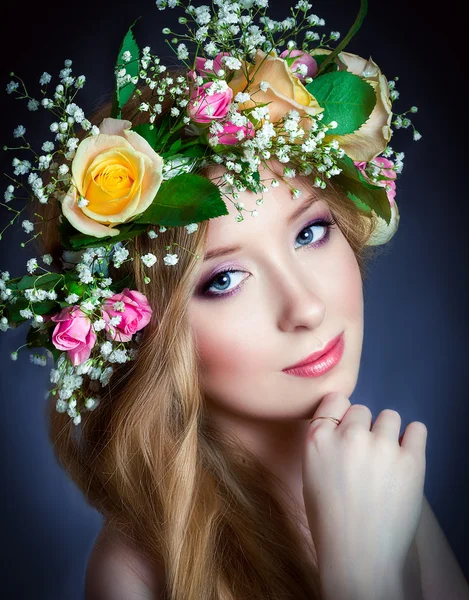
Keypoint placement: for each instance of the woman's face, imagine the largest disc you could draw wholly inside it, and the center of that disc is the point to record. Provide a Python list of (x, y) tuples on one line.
[(294, 288)]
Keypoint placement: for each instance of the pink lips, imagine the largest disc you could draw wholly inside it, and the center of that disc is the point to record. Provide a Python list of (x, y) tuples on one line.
[(319, 362)]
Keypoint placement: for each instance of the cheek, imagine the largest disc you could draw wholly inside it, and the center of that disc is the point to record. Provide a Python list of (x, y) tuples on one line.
[(225, 344), (344, 287)]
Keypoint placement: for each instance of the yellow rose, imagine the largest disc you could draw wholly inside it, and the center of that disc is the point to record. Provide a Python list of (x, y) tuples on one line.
[(373, 136), (118, 173), (284, 90)]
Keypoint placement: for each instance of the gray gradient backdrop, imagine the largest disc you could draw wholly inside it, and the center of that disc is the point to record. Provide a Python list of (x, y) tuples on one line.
[(416, 325)]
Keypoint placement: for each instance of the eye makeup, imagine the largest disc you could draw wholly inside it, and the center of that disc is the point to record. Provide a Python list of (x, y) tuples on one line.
[(326, 222)]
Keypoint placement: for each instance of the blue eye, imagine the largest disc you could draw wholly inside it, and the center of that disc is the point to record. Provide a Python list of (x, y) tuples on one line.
[(225, 278)]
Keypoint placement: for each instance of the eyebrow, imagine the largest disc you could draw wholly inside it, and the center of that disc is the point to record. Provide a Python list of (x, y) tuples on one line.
[(217, 252)]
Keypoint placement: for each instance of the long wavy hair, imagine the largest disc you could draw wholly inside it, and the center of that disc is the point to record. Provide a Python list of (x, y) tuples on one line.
[(152, 464)]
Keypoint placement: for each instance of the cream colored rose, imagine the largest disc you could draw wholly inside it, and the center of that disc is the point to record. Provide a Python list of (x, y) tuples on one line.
[(118, 173), (284, 90), (374, 135)]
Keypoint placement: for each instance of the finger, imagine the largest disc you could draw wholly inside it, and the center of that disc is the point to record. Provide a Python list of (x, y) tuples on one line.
[(334, 404), (387, 424), (414, 437), (357, 414)]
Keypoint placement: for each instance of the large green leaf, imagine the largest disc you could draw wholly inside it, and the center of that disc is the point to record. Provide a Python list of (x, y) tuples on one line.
[(361, 191), (345, 97), (122, 95), (184, 199)]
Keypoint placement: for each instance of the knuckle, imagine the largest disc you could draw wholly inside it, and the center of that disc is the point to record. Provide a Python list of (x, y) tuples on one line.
[(353, 433)]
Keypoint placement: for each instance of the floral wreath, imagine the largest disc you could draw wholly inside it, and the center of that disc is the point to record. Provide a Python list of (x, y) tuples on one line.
[(251, 91)]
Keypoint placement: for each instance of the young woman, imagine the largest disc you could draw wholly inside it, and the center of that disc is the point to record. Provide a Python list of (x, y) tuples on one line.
[(225, 454)]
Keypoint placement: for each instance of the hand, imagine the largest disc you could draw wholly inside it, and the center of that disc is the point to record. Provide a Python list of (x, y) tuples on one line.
[(363, 490)]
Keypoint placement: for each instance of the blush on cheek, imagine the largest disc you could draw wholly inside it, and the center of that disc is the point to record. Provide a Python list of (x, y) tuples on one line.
[(229, 354)]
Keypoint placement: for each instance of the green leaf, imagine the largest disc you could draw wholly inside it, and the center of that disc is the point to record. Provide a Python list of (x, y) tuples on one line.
[(352, 31), (359, 204), (127, 232), (39, 308), (345, 97), (43, 282), (36, 338), (121, 95), (320, 58), (361, 191), (148, 134), (184, 199), (175, 147)]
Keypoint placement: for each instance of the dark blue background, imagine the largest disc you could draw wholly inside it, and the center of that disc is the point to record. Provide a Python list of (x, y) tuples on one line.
[(416, 324)]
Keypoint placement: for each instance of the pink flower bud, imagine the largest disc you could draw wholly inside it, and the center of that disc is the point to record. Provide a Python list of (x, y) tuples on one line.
[(229, 136), (303, 59), (204, 107), (386, 170)]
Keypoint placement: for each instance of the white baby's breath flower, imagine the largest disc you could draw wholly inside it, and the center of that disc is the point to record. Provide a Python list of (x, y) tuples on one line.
[(119, 306), (27, 226), (152, 234), (12, 86), (91, 403), (72, 298), (31, 265), (19, 131), (87, 305), (33, 105), (106, 349), (106, 376), (45, 78), (47, 259), (192, 227), (26, 313), (170, 259), (148, 259)]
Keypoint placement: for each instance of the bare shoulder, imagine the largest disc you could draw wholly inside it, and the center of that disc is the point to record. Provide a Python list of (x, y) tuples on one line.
[(115, 571)]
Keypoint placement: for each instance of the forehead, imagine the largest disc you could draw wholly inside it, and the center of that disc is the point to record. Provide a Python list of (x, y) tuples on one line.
[(273, 215)]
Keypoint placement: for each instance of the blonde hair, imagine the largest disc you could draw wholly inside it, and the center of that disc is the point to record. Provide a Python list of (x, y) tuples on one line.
[(149, 460)]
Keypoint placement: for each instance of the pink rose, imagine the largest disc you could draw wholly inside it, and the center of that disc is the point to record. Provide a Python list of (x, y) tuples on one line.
[(205, 106), (74, 334), (229, 135), (386, 170), (136, 314), (303, 59)]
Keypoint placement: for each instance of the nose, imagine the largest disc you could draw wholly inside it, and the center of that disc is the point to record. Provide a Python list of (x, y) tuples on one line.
[(299, 301)]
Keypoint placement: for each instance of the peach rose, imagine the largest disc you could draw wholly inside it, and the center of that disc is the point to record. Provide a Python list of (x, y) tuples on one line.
[(284, 90), (118, 174), (374, 135)]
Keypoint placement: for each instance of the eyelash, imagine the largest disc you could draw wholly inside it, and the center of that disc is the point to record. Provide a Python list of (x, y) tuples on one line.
[(327, 222)]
